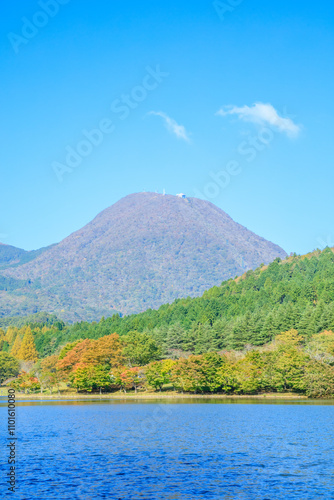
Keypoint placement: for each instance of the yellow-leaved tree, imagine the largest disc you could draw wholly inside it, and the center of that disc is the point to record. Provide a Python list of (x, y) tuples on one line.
[(2, 338), (28, 350), (16, 347), (11, 335)]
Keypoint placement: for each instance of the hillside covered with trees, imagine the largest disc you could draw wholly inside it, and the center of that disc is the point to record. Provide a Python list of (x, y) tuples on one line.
[(268, 330)]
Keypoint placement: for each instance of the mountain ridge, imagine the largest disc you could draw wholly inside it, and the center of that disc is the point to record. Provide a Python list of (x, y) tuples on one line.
[(11, 256)]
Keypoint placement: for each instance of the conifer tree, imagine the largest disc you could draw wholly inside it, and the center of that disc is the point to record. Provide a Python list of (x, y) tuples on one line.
[(258, 336), (16, 347), (326, 321), (290, 317), (306, 324), (11, 335), (190, 339), (268, 330), (240, 334), (28, 350), (174, 337)]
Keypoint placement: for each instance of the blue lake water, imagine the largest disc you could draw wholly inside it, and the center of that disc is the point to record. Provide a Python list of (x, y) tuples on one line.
[(186, 450)]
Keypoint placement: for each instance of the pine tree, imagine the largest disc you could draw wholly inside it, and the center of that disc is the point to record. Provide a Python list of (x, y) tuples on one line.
[(240, 334), (207, 339), (290, 317), (190, 339), (256, 323), (268, 330), (326, 320), (175, 335), (28, 350), (306, 324)]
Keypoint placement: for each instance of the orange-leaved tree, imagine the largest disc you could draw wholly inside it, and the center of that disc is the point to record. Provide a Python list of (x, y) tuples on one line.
[(106, 351), (74, 357), (102, 354)]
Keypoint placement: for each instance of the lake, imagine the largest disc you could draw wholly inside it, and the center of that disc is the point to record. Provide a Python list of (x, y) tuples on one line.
[(190, 449)]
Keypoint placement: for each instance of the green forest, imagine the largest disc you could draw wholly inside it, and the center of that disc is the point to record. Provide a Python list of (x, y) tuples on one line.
[(269, 330)]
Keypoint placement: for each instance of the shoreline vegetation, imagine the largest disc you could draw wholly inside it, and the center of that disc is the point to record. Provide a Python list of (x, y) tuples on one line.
[(132, 365)]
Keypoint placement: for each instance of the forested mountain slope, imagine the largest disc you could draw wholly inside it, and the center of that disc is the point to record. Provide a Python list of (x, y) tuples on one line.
[(250, 310)]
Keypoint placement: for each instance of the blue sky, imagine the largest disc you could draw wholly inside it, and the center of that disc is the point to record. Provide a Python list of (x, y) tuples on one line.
[(182, 95)]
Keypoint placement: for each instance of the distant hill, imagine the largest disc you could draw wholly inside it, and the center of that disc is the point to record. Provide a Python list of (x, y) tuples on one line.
[(11, 256), (145, 250)]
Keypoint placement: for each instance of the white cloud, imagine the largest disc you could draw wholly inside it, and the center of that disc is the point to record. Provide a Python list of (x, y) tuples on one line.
[(172, 126), (263, 114)]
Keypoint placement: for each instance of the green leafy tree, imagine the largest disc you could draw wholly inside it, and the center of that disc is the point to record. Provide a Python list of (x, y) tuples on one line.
[(228, 374), (174, 338), (289, 362), (319, 380), (140, 349), (49, 376), (9, 366), (321, 347), (88, 378), (248, 375), (158, 373), (196, 373)]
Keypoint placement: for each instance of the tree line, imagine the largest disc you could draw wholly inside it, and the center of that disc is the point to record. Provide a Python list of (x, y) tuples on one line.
[(112, 363)]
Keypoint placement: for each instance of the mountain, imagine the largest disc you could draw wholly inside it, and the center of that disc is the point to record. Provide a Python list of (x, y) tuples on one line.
[(145, 250)]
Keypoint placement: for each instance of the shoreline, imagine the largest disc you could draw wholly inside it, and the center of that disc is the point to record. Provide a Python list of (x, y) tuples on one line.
[(158, 396)]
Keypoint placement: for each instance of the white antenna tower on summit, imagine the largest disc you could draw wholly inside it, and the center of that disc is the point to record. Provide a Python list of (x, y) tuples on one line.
[(164, 191)]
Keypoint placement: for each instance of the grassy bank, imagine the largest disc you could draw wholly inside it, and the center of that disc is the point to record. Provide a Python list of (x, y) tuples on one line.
[(172, 395)]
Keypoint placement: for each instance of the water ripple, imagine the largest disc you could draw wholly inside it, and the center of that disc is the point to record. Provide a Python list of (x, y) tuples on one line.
[(175, 452)]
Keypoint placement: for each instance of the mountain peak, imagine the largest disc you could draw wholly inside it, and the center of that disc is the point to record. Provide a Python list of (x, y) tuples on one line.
[(145, 250)]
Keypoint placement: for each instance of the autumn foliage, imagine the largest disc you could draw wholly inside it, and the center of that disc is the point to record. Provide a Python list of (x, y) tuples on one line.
[(287, 364), (27, 351)]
